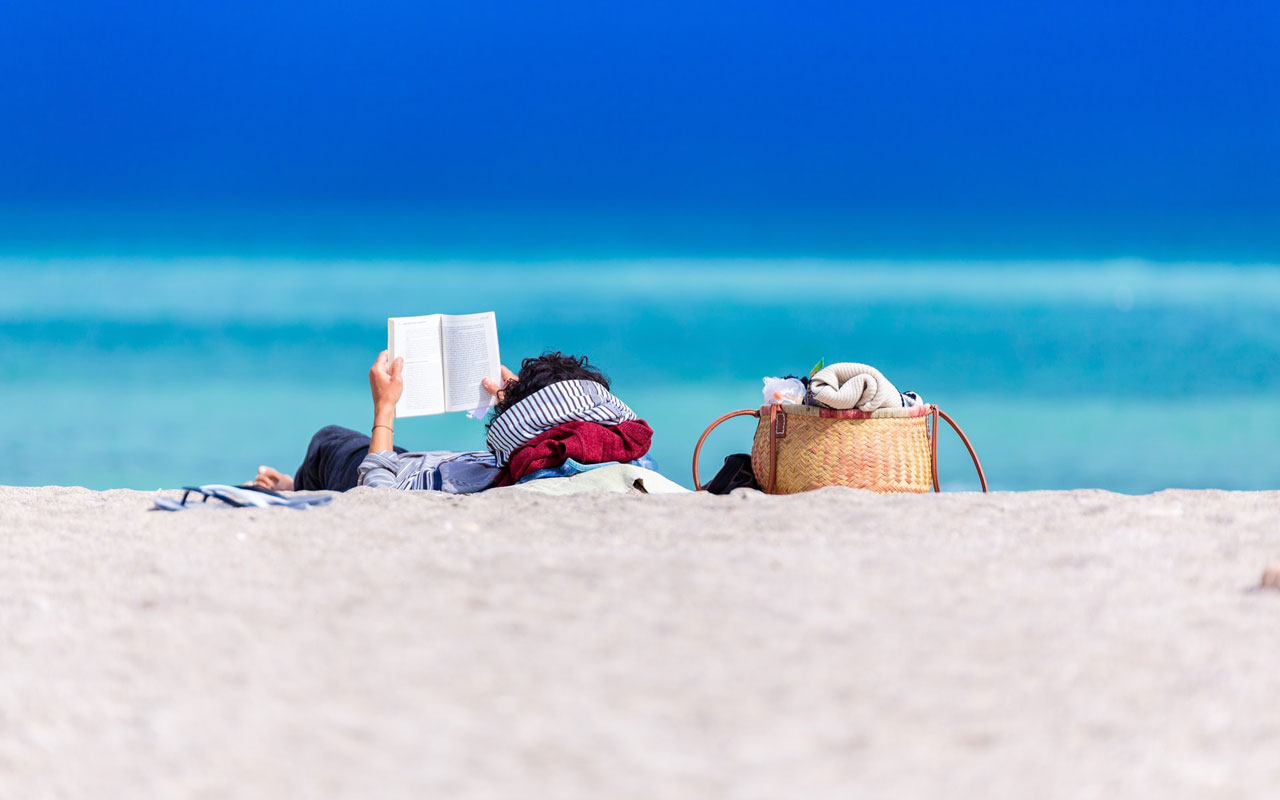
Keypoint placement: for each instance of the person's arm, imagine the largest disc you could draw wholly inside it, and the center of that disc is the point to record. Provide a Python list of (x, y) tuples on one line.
[(386, 388)]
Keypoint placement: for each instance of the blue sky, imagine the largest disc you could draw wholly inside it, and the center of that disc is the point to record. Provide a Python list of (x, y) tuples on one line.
[(1154, 115)]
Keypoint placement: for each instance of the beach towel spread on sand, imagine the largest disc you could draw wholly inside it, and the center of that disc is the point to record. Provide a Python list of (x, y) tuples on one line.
[(557, 404), (583, 442), (861, 386)]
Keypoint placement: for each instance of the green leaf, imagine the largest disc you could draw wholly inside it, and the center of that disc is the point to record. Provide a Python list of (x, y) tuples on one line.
[(822, 362)]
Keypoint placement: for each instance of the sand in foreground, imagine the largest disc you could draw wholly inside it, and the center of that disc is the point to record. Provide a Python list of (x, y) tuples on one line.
[(1052, 644)]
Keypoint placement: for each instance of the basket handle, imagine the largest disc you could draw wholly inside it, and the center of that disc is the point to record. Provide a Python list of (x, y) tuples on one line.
[(753, 412), (936, 412)]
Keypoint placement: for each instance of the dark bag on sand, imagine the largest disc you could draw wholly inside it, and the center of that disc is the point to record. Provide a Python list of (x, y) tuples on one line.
[(735, 474)]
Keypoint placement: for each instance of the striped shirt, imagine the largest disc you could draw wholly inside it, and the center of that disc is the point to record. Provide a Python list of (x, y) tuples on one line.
[(565, 401), (438, 470)]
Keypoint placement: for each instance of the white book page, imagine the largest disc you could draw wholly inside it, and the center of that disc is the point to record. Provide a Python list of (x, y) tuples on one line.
[(470, 355), (417, 341)]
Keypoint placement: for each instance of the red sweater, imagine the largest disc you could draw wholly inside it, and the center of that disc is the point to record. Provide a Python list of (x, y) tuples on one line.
[(584, 442)]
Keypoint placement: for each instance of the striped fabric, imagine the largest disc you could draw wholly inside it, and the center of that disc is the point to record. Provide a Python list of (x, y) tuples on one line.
[(439, 470), (566, 401)]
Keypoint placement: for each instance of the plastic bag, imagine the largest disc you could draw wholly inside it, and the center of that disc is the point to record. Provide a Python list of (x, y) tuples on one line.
[(783, 390)]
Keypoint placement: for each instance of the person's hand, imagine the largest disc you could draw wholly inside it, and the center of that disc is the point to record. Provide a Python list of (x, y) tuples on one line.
[(497, 389), (386, 385)]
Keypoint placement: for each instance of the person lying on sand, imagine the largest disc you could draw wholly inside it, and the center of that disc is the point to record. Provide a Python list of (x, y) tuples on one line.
[(557, 409)]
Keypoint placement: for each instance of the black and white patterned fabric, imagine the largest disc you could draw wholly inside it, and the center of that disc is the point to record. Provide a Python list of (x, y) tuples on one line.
[(566, 401)]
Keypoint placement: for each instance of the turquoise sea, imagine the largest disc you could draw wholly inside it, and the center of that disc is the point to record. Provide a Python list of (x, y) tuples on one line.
[(1128, 375)]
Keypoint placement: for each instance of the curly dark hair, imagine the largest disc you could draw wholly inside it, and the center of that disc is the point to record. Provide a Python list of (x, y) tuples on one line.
[(541, 372)]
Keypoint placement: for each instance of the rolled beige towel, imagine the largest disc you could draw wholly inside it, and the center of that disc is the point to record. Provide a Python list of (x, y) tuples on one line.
[(849, 385)]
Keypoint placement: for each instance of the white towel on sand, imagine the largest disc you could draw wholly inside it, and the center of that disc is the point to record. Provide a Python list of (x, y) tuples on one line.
[(849, 385), (614, 478)]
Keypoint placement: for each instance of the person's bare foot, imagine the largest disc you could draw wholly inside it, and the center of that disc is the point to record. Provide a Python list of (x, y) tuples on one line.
[(272, 478)]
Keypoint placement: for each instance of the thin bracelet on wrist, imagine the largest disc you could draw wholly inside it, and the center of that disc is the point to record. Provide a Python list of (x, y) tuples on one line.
[(388, 427)]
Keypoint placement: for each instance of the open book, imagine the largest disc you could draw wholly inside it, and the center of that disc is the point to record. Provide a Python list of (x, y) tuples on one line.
[(445, 358)]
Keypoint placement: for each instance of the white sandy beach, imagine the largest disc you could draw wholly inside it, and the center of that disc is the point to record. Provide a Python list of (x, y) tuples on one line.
[(838, 644)]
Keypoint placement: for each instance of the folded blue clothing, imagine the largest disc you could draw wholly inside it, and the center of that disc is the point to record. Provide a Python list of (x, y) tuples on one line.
[(570, 468)]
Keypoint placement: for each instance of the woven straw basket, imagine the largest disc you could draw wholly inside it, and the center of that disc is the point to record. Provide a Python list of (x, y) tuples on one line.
[(798, 448)]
